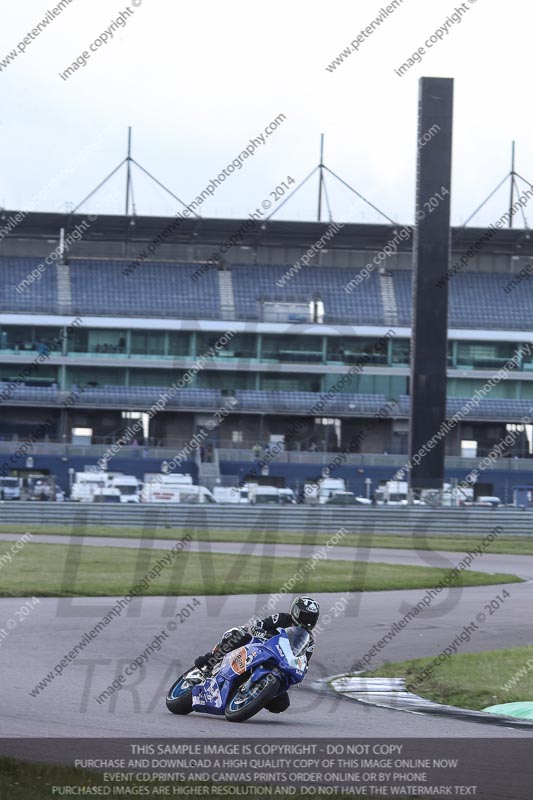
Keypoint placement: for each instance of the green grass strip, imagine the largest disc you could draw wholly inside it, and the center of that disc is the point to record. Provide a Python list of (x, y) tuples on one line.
[(469, 680), (56, 570)]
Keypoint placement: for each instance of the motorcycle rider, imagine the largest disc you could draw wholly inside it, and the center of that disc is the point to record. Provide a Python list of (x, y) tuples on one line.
[(304, 611)]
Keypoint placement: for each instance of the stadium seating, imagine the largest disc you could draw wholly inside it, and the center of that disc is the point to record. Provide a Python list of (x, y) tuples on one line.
[(39, 293), (493, 408), (403, 290), (478, 300), (152, 289), (255, 284), (162, 289), (139, 397), (295, 402)]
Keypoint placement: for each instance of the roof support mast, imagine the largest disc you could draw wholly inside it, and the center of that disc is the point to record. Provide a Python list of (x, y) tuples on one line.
[(128, 173), (320, 177), (128, 161), (514, 192)]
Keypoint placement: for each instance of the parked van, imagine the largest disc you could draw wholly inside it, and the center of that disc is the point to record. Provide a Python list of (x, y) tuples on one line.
[(231, 494), (88, 484), (174, 488), (323, 490), (263, 495), (9, 489)]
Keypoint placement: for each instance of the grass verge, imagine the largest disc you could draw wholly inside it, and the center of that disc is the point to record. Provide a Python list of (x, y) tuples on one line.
[(55, 570), (469, 680), (511, 545)]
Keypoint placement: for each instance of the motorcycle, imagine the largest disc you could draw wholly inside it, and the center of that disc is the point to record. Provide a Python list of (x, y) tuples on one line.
[(246, 679)]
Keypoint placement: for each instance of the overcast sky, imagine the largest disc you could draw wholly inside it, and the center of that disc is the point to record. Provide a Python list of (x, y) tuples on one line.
[(198, 81)]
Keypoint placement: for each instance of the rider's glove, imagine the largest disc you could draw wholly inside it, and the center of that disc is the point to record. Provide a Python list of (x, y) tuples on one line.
[(235, 633), (261, 633), (231, 639), (202, 661)]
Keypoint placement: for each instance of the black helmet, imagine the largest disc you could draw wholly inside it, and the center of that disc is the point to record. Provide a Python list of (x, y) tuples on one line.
[(305, 612)]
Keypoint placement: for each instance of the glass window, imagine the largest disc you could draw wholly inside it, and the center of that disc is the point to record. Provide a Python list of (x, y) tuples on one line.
[(179, 343), (48, 340), (148, 343), (104, 342), (97, 342), (484, 355), (292, 348), (79, 341), (465, 388), (526, 390), (356, 350), (391, 386), (527, 356), (291, 383), (46, 375), (154, 377), (241, 345), (401, 352), (30, 339), (95, 376), (211, 379), (451, 357)]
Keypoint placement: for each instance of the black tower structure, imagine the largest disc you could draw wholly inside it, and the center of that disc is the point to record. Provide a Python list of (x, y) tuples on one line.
[(431, 260)]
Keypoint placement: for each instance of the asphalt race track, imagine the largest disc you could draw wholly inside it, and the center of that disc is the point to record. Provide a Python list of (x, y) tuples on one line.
[(67, 706)]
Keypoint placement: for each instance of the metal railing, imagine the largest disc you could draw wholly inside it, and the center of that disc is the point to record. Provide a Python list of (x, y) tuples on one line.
[(240, 453), (406, 520)]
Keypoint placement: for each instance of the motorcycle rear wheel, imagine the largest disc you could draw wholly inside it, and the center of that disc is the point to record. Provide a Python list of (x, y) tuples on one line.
[(244, 705)]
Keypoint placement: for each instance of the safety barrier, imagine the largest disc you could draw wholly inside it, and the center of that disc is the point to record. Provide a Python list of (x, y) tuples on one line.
[(303, 519)]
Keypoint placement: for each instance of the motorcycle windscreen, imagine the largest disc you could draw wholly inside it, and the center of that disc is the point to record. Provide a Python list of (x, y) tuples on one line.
[(299, 639)]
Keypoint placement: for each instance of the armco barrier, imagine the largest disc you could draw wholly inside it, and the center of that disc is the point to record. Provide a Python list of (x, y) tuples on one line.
[(321, 519)]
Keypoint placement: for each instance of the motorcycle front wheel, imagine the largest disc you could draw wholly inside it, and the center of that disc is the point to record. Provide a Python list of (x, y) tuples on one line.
[(247, 701), (179, 697)]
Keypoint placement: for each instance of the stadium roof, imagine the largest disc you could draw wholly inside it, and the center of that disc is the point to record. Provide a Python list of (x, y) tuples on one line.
[(207, 231)]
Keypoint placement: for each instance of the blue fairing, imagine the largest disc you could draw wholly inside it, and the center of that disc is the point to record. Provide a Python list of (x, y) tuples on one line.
[(283, 655)]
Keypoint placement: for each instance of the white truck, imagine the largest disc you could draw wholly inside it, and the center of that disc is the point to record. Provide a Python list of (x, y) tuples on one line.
[(174, 488), (323, 490), (262, 495), (85, 484), (9, 489), (448, 496), (90, 486), (287, 496), (392, 493), (231, 494), (253, 493), (108, 495), (128, 486), (395, 493)]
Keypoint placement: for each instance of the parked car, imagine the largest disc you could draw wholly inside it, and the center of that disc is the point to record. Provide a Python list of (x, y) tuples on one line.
[(347, 499), (488, 500)]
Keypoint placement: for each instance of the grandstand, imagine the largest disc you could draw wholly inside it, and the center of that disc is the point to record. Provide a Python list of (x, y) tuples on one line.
[(289, 344)]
